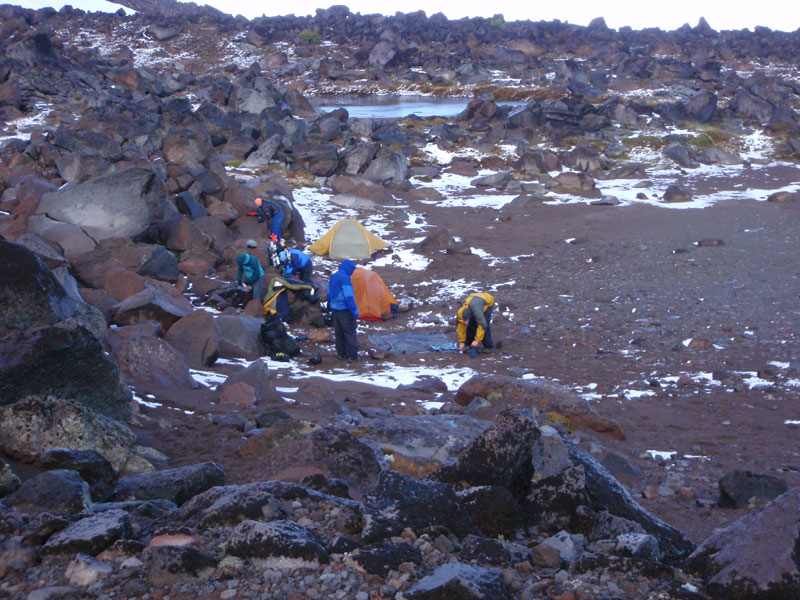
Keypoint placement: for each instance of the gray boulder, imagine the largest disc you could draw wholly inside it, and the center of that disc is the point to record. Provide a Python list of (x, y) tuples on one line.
[(94, 468), (501, 456), (677, 193), (118, 204), (65, 361), (31, 295), (229, 505), (458, 581), (150, 305), (755, 557), (176, 485), (602, 488), (90, 535), (259, 95), (493, 508), (386, 556), (397, 502), (170, 565), (9, 482), (31, 427), (263, 155), (285, 542), (388, 168), (58, 492), (738, 487)]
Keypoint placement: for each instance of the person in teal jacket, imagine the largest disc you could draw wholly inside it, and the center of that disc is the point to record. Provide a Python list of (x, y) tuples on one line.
[(342, 303), (250, 271)]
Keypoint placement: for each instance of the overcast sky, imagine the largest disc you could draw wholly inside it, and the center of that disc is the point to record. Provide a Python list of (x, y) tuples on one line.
[(783, 15)]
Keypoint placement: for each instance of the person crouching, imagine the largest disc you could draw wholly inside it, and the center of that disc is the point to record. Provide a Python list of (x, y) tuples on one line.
[(474, 321)]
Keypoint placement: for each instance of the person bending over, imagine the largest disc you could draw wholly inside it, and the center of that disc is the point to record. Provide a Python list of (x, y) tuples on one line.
[(474, 321)]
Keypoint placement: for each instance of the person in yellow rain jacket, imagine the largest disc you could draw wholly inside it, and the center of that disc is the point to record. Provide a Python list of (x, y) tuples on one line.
[(474, 319)]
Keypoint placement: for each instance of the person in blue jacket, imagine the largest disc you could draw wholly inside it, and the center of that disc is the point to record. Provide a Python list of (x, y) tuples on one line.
[(250, 270), (295, 262), (269, 210), (342, 303)]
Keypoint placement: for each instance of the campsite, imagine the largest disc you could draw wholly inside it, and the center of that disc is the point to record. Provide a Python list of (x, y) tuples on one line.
[(629, 199)]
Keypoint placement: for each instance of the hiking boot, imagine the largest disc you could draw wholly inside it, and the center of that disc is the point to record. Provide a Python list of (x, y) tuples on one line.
[(341, 357), (353, 359)]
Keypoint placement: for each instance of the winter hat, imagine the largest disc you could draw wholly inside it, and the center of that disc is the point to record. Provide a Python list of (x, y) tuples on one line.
[(252, 244)]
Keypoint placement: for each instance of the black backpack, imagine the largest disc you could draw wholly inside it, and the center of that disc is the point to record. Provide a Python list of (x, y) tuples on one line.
[(274, 336)]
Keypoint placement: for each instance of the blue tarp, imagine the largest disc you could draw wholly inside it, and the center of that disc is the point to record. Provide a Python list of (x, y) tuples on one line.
[(413, 342)]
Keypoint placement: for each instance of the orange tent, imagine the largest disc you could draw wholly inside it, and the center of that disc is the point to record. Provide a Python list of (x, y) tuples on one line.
[(373, 297)]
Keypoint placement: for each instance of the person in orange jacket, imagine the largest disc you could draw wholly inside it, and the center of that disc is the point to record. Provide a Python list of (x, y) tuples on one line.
[(474, 321)]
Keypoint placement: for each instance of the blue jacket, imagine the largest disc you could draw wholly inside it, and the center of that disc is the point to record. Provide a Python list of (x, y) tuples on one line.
[(340, 289), (296, 261), (250, 267)]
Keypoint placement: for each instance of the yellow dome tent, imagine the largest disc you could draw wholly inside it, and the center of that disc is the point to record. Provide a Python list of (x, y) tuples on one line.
[(348, 239)]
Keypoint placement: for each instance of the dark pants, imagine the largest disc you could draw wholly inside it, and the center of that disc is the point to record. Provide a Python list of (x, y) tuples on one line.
[(472, 329), (344, 334), (256, 292), (305, 273)]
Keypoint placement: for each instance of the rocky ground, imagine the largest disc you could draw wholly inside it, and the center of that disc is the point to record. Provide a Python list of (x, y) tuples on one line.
[(635, 220)]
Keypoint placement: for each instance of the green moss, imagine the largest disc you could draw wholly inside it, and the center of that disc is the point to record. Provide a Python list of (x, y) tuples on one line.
[(310, 36)]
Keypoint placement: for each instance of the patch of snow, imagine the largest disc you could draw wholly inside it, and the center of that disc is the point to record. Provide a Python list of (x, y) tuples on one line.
[(661, 454)]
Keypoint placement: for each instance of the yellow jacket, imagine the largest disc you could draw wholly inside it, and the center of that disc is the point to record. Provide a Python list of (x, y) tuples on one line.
[(474, 307)]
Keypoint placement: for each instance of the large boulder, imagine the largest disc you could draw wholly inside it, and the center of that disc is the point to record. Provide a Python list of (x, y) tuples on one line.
[(459, 581), (66, 361), (149, 360), (32, 427), (501, 456), (94, 468), (257, 376), (176, 485), (119, 204), (151, 304), (144, 259), (541, 394), (388, 168), (90, 535), (31, 295), (603, 489), (756, 557), (330, 451), (293, 543), (196, 336), (58, 492), (239, 336), (398, 501)]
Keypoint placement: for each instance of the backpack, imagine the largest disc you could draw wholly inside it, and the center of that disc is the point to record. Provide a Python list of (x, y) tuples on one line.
[(274, 336)]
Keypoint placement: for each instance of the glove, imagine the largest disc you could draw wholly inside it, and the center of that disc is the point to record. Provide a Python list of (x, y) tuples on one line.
[(251, 214)]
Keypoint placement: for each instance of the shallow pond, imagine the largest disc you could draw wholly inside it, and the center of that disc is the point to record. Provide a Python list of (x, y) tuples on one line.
[(396, 107)]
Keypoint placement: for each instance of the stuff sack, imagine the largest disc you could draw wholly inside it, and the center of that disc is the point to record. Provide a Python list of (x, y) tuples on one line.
[(274, 336)]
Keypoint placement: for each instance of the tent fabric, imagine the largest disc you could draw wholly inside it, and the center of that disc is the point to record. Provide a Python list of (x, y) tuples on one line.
[(413, 342), (373, 297), (348, 239)]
